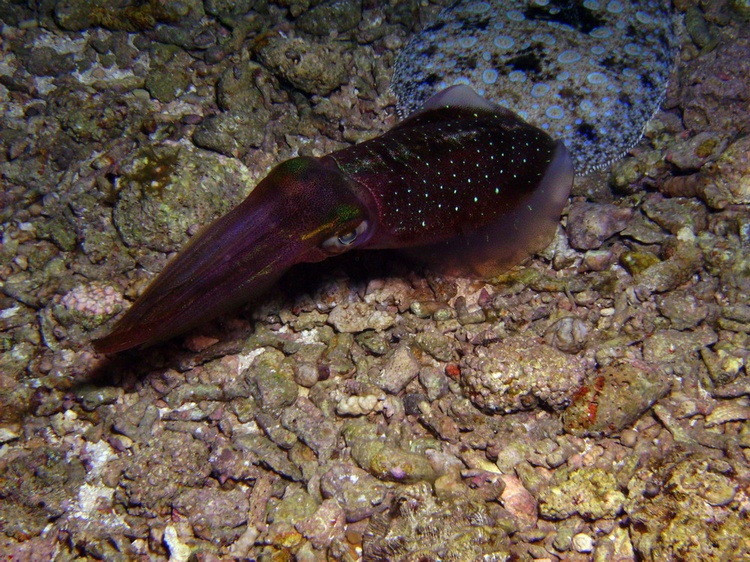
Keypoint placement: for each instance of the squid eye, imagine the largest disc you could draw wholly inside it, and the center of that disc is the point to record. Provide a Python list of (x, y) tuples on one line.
[(348, 238), (341, 242)]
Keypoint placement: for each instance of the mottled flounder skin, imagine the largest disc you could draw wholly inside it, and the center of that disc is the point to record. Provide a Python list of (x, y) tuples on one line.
[(589, 72)]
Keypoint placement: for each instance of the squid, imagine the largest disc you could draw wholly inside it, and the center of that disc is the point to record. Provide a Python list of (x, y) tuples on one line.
[(463, 186)]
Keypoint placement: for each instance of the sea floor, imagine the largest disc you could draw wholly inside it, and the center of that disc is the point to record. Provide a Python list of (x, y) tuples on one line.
[(590, 404)]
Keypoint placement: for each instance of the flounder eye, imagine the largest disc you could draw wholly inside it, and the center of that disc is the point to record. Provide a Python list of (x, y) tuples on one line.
[(342, 242)]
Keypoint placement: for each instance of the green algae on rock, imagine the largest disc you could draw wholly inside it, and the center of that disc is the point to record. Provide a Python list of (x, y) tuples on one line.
[(670, 500), (165, 190)]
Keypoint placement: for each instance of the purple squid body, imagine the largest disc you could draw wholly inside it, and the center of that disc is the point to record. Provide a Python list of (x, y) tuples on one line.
[(462, 185)]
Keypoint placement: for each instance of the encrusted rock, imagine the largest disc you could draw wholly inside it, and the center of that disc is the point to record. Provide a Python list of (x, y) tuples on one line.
[(727, 181), (614, 398), (669, 346), (36, 488), (314, 68), (332, 15), (360, 316), (691, 154), (272, 380), (692, 490), (166, 190), (309, 424), (591, 493), (324, 526), (231, 133), (163, 469), (357, 491), (215, 515), (686, 258), (456, 527), (519, 373), (382, 460), (682, 309), (674, 214)]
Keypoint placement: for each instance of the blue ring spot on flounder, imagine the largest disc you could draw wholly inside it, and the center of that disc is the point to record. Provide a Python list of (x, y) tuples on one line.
[(555, 112), (503, 42), (489, 76), (614, 54), (540, 90), (567, 57)]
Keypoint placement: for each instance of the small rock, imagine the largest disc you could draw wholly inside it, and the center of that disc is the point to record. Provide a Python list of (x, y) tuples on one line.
[(46, 61), (308, 423), (228, 8), (167, 83), (455, 526), (691, 154), (390, 291), (359, 493), (360, 316), (519, 502), (434, 381), (238, 87), (568, 334), (400, 368), (670, 346), (295, 506), (441, 347), (311, 67), (590, 224), (231, 133), (644, 230), (675, 213), (76, 15), (178, 551), (166, 189), (272, 380), (93, 397), (215, 515), (728, 179), (683, 309), (629, 438), (333, 15), (582, 543), (374, 342), (667, 275), (324, 526), (384, 461)]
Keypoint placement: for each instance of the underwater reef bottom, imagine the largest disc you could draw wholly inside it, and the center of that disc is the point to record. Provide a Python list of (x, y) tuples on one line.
[(592, 404)]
